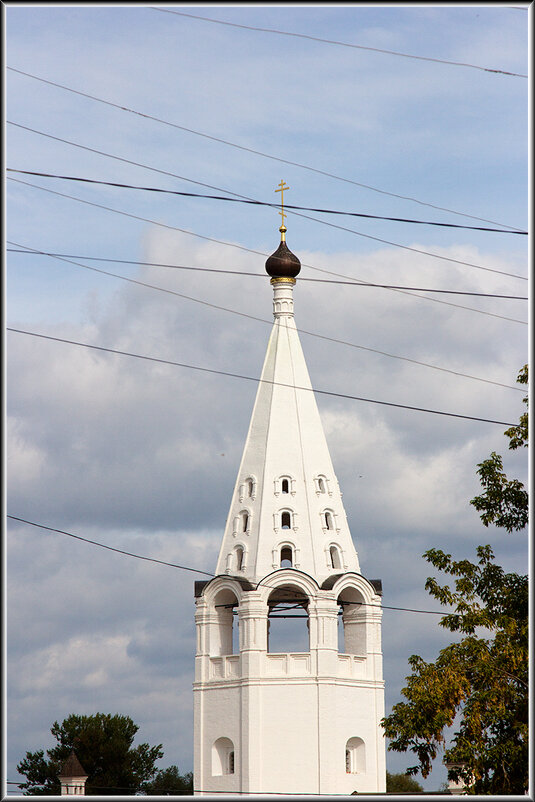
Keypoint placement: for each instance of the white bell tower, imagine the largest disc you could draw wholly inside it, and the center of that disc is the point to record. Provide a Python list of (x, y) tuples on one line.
[(302, 720)]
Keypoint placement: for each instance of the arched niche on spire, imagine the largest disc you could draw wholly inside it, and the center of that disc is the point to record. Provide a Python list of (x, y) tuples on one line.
[(322, 485), (285, 519), (242, 523), (247, 489), (237, 559), (329, 521), (284, 485), (285, 554), (335, 557)]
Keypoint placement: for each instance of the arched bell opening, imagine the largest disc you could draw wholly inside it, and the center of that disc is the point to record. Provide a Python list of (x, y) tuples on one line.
[(352, 622), (288, 623), (224, 638)]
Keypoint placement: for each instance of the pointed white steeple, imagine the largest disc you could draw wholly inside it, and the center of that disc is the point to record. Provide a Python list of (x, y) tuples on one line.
[(287, 507)]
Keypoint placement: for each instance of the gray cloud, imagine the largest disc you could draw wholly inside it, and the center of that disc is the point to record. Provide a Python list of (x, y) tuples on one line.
[(143, 456)]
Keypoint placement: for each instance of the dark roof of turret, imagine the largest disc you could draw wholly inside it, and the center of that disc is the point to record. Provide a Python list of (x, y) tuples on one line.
[(72, 767)]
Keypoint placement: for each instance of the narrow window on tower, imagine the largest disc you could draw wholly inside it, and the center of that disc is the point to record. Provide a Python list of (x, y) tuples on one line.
[(285, 486), (286, 557), (245, 521), (328, 520), (321, 484), (286, 520), (239, 558), (249, 487), (335, 557), (231, 762)]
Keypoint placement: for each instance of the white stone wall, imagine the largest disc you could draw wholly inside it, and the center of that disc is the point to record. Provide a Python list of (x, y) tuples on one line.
[(289, 716)]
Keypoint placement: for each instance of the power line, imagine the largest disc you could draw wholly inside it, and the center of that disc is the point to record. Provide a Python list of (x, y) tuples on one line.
[(34, 252), (261, 203), (110, 548), (258, 380), (341, 44), (255, 152), (122, 159), (270, 322), (201, 183), (186, 568), (250, 250)]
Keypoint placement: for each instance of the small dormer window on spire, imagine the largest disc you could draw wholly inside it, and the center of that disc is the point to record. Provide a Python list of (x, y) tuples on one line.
[(286, 557), (322, 485), (247, 489), (285, 519), (242, 523), (284, 485)]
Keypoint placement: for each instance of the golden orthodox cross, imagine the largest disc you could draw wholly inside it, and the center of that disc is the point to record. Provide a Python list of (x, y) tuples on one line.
[(282, 186)]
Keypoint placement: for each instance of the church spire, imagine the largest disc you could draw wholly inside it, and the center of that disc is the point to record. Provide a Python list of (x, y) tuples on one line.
[(286, 504)]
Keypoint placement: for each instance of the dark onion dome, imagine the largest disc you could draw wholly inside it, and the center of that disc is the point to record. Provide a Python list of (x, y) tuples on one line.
[(283, 263)]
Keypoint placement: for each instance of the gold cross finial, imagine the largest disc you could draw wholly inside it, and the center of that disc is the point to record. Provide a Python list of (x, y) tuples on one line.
[(282, 186)]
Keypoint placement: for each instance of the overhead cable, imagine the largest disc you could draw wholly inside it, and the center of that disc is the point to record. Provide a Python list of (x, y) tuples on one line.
[(270, 322), (341, 44), (256, 379), (324, 222), (187, 568), (259, 253), (261, 203), (191, 180), (255, 152), (110, 548), (33, 252)]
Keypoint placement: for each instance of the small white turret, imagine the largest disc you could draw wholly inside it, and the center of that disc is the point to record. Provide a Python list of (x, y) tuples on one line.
[(72, 777)]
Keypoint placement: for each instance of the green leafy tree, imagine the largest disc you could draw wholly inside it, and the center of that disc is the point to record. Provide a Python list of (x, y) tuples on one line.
[(401, 782), (504, 501), (479, 683), (103, 745), (169, 782)]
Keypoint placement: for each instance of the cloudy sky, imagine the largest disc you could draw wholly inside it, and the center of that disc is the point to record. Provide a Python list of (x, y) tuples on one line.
[(142, 456)]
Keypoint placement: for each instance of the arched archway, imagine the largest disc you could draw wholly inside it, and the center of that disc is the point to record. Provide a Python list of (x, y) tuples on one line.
[(224, 633), (288, 629), (352, 631)]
